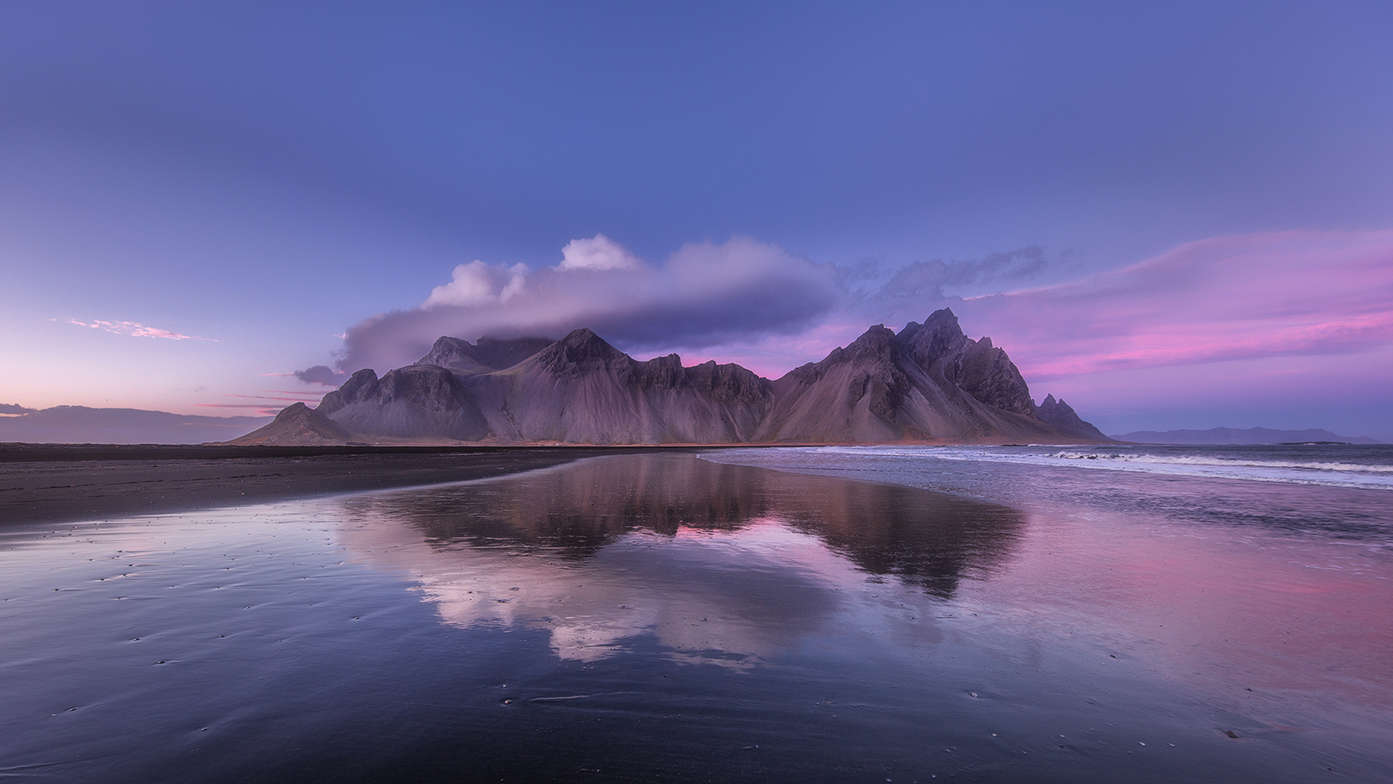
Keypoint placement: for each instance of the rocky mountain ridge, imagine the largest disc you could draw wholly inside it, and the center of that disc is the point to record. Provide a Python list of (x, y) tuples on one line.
[(929, 382)]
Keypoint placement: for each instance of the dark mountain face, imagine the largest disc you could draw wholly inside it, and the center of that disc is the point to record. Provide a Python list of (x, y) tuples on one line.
[(583, 390), (1059, 414), (416, 401), (928, 382)]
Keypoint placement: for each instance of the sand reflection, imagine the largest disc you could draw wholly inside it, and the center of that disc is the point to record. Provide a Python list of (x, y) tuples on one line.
[(720, 563)]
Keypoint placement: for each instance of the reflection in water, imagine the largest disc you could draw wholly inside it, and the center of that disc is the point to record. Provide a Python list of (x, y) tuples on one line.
[(722, 563), (543, 627)]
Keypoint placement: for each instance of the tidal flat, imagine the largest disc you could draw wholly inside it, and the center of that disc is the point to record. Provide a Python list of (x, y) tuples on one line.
[(665, 616)]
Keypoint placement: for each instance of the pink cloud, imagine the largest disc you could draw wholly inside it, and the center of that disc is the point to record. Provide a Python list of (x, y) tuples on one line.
[(136, 330), (1241, 297)]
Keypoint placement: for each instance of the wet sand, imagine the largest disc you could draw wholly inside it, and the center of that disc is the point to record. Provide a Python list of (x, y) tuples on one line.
[(666, 617), (55, 483)]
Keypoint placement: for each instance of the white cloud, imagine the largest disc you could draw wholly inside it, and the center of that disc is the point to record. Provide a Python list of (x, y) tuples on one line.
[(597, 253), (477, 283)]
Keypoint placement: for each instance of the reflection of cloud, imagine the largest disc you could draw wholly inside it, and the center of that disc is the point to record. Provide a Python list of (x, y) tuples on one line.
[(720, 563), (674, 589)]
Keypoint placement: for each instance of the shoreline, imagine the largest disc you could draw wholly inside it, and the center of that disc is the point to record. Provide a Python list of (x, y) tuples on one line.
[(44, 484)]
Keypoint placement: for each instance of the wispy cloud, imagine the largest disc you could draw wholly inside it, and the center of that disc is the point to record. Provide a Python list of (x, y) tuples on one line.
[(136, 329), (1220, 299), (320, 374), (251, 409)]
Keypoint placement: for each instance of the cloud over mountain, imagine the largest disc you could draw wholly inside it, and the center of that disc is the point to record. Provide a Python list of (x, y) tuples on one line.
[(702, 295), (320, 374)]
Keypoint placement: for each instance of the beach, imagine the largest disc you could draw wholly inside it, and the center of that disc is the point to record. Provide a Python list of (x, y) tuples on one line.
[(68, 482), (820, 616)]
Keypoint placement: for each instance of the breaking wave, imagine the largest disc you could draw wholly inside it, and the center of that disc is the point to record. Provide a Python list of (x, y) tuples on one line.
[(1334, 466)]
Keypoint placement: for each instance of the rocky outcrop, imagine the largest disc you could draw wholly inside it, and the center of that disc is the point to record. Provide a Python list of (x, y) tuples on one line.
[(297, 425), (583, 390), (929, 382), (1063, 418), (413, 402)]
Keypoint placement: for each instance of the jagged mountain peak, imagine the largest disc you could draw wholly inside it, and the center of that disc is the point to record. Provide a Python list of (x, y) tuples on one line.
[(488, 354), (876, 341), (939, 335), (1063, 417), (928, 382), (584, 344), (580, 351)]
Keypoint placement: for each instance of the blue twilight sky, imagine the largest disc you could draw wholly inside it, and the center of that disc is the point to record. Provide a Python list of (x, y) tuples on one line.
[(767, 179)]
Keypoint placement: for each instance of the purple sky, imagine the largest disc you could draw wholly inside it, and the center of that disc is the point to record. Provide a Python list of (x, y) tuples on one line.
[(1177, 217)]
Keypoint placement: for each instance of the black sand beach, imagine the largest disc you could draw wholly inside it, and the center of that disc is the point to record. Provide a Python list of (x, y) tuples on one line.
[(62, 482)]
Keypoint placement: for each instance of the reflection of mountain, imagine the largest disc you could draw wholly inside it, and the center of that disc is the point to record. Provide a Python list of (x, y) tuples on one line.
[(709, 557)]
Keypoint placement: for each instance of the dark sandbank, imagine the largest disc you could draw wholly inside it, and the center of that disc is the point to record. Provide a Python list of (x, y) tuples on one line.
[(70, 482)]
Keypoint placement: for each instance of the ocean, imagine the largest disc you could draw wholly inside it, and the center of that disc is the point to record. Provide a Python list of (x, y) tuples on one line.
[(1296, 487)]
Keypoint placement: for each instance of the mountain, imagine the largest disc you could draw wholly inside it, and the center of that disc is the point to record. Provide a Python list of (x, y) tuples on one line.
[(82, 425), (297, 424), (1232, 435), (1062, 416), (929, 382), (461, 356)]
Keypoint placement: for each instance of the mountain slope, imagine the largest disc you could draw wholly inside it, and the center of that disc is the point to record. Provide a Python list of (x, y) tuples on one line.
[(416, 401), (1066, 420), (929, 382), (583, 390), (296, 425)]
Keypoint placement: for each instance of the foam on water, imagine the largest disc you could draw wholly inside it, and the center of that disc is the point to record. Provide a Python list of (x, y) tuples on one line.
[(1368, 467)]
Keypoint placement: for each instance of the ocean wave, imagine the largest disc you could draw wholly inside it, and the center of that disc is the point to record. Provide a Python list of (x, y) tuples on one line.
[(1328, 473), (1225, 462)]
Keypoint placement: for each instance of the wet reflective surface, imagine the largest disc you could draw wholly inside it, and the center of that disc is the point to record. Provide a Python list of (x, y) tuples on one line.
[(651, 616)]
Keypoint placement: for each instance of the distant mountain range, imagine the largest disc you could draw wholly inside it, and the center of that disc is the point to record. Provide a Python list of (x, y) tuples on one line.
[(82, 425), (1219, 436), (928, 382)]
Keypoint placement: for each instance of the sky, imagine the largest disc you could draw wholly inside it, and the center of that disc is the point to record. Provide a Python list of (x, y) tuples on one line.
[(1176, 216)]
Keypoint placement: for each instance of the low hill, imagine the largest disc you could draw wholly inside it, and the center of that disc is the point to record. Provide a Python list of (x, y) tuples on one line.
[(83, 425)]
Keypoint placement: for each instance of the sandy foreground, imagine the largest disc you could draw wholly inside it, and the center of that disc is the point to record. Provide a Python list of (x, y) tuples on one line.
[(58, 483)]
